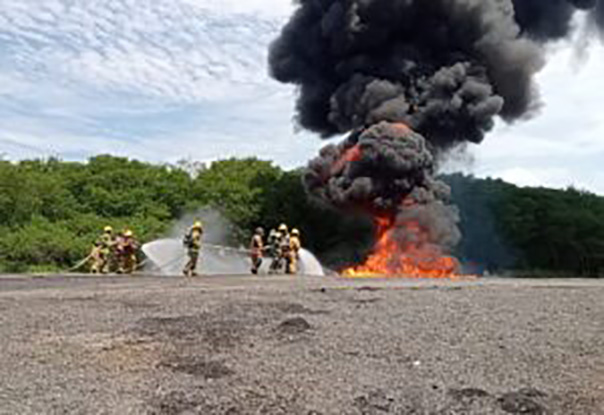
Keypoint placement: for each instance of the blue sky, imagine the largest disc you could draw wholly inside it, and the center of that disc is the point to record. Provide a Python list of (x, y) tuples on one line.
[(164, 80)]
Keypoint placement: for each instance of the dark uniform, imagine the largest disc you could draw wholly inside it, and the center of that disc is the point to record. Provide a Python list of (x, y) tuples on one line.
[(273, 250)]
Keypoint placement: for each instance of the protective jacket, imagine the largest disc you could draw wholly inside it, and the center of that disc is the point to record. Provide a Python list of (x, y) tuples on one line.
[(295, 245), (257, 246), (192, 239)]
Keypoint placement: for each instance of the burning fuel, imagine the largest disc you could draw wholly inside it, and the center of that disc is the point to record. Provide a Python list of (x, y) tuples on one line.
[(408, 80), (403, 249), (387, 171)]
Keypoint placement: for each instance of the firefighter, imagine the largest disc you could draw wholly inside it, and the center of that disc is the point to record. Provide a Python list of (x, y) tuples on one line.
[(284, 248), (97, 258), (106, 255), (283, 230), (192, 243), (127, 249), (256, 250), (273, 247), (294, 252)]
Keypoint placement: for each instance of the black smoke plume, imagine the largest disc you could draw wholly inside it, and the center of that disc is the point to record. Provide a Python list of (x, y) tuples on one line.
[(388, 171), (546, 20), (444, 68)]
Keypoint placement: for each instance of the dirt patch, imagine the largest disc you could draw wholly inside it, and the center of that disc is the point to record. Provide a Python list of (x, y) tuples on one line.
[(81, 299), (260, 401), (365, 301), (374, 403), (468, 394), (202, 328), (181, 327), (123, 354), (524, 401), (369, 288), (174, 403), (296, 325), (138, 305), (196, 366), (295, 308)]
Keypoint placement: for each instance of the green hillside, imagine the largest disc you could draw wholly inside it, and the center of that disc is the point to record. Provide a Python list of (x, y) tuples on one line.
[(52, 211)]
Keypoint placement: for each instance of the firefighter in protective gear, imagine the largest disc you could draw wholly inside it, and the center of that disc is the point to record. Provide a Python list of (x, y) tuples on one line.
[(127, 249), (106, 255), (273, 245), (284, 248), (192, 243), (294, 252), (256, 250), (97, 258)]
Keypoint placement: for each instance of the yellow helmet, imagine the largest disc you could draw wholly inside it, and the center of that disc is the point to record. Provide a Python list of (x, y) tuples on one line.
[(296, 232), (197, 225), (128, 233), (283, 228), (108, 229)]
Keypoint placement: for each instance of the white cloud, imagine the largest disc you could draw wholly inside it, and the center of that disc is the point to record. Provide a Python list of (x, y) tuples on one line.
[(275, 8), (164, 49)]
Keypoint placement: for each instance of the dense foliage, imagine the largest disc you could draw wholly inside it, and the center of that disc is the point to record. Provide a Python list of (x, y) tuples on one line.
[(52, 211), (530, 229)]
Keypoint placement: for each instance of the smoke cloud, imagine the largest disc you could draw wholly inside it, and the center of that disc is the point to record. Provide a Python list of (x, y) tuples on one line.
[(546, 20), (444, 68), (387, 170)]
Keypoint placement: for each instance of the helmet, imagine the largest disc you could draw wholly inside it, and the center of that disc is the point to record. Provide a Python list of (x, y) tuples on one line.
[(283, 228), (296, 232), (108, 229), (259, 231), (128, 233), (197, 225)]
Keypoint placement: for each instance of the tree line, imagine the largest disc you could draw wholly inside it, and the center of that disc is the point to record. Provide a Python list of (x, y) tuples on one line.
[(51, 211)]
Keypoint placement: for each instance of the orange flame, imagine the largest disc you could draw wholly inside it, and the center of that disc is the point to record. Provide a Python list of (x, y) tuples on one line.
[(393, 259), (352, 154)]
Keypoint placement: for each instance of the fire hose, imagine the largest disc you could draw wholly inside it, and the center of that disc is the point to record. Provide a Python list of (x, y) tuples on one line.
[(80, 264), (89, 257)]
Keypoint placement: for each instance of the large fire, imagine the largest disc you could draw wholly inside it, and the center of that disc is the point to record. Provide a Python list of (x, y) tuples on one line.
[(414, 258), (402, 249)]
